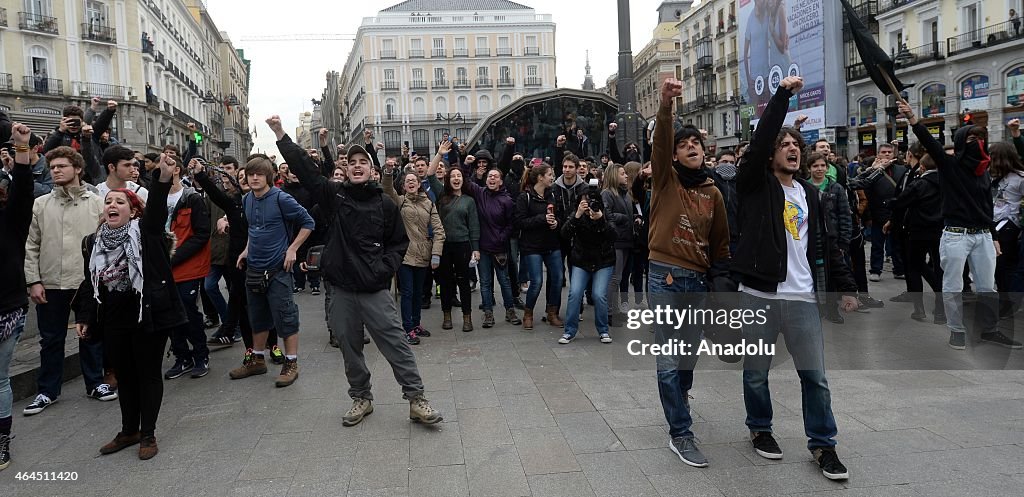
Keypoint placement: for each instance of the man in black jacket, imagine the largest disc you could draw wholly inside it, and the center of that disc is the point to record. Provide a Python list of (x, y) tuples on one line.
[(784, 261), (366, 242), (70, 133), (879, 182), (968, 233)]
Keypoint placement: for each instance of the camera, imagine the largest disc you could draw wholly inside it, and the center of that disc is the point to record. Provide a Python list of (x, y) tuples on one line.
[(594, 196), (74, 123)]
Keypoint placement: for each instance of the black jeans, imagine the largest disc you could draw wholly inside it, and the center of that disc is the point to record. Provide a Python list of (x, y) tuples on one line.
[(858, 263), (192, 333), (454, 272), (1006, 264), (930, 270), (137, 357)]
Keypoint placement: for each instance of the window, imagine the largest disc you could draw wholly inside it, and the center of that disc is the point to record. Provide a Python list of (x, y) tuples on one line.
[(460, 43), (38, 7), (438, 44), (485, 104), (461, 74), (421, 140), (389, 75), (505, 100), (439, 74), (99, 70), (95, 14), (392, 142), (419, 106), (417, 74), (531, 71), (502, 42), (390, 109), (462, 105), (39, 59), (441, 105), (416, 44), (531, 41), (481, 72), (504, 73)]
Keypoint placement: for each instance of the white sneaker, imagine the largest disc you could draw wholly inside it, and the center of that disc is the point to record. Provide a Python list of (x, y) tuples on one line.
[(875, 277), (566, 338), (37, 406), (606, 338)]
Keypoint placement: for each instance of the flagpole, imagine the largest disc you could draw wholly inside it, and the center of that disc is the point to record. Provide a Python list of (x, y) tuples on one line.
[(892, 86)]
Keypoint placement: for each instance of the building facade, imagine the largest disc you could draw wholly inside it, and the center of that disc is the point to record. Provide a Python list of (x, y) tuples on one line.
[(424, 67), (158, 58), (963, 56), (709, 53)]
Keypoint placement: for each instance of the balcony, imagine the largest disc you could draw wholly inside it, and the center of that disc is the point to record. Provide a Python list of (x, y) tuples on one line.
[(687, 73), (160, 59), (389, 118), (97, 32), (855, 72), (35, 22), (3, 17), (418, 85), (147, 47), (733, 59), (888, 5), (440, 84), (731, 24), (986, 37), (438, 52), (720, 64), (109, 92), (504, 52), (707, 100), (684, 45), (388, 54), (720, 32), (6, 82), (460, 52), (416, 54), (461, 84), (484, 83), (533, 81), (531, 51), (42, 86), (919, 55), (703, 62), (483, 52), (389, 86), (506, 83)]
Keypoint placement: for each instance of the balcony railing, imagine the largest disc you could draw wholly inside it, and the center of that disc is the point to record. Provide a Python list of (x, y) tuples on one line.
[(389, 86), (704, 62), (35, 22), (418, 85), (440, 84), (98, 32), (687, 73), (707, 100), (460, 52), (109, 92), (506, 83), (919, 55), (988, 36), (720, 64), (42, 86), (533, 81), (6, 82), (416, 54), (147, 47), (733, 59), (483, 52), (484, 83), (388, 54), (438, 52), (504, 52), (856, 71), (531, 51), (887, 5), (461, 83), (3, 17)]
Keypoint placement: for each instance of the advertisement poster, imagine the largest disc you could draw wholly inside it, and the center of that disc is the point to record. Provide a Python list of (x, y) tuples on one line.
[(780, 38), (1015, 87), (933, 100), (974, 93)]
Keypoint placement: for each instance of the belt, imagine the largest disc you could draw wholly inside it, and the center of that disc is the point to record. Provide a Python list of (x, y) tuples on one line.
[(968, 231)]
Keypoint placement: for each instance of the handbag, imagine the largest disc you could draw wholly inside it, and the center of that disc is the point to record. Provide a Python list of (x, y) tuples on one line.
[(314, 257)]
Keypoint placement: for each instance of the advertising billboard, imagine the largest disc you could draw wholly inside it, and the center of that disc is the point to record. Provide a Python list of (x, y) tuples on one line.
[(780, 38), (974, 93)]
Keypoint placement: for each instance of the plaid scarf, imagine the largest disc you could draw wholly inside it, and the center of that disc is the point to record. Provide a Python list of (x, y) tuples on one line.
[(117, 260)]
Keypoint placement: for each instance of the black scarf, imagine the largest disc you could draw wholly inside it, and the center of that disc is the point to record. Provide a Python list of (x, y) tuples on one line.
[(690, 178)]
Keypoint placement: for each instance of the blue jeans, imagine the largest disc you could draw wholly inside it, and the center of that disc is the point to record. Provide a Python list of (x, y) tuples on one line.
[(675, 373), (800, 325), (191, 333), (579, 282), (553, 261), (212, 286), (6, 353), (410, 287), (955, 250), (52, 319), (880, 244), (488, 269)]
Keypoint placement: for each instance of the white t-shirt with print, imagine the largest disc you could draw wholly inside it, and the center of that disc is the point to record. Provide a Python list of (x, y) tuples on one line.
[(799, 284)]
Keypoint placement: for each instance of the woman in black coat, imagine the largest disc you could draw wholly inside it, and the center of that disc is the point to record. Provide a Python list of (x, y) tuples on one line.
[(129, 297), (592, 259)]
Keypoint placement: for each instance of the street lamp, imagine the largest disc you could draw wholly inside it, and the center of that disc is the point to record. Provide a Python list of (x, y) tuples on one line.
[(448, 119)]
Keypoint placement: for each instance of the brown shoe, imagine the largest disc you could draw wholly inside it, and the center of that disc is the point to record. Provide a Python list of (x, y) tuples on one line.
[(510, 316), (446, 323), (110, 378), (528, 319), (120, 442), (489, 319), (147, 448), (467, 322), (252, 365), (553, 319), (421, 412), (289, 373)]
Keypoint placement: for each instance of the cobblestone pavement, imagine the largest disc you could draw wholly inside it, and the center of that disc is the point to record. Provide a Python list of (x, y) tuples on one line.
[(525, 416)]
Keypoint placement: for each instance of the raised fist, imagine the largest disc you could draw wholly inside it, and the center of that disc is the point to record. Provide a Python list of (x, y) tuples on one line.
[(792, 83), (111, 104), (322, 135), (191, 126), (20, 134), (560, 141), (670, 89), (510, 140), (274, 122)]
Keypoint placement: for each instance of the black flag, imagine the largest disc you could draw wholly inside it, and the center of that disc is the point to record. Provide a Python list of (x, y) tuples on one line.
[(876, 61)]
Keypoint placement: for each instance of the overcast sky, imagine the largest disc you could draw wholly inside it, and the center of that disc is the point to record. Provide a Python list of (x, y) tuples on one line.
[(286, 75)]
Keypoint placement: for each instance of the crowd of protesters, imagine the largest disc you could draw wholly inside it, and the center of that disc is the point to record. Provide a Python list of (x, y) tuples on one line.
[(137, 244)]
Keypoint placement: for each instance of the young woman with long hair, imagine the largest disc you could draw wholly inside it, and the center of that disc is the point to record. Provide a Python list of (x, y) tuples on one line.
[(592, 260), (539, 243), (128, 296), (618, 206), (426, 241), (461, 245), (1007, 191), (636, 264)]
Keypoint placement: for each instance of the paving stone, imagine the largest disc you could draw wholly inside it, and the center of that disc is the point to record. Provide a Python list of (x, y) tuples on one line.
[(780, 479), (544, 450), (381, 464), (483, 428), (495, 471), (564, 398), (560, 485), (631, 418), (313, 488), (440, 481), (587, 432), (615, 474), (910, 441), (526, 411), (436, 445), (474, 394), (684, 485), (642, 437)]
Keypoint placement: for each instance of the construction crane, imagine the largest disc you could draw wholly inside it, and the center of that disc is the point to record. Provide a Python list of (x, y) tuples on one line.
[(302, 37)]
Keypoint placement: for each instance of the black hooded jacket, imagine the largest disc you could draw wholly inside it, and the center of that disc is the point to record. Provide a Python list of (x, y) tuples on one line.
[(966, 198)]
